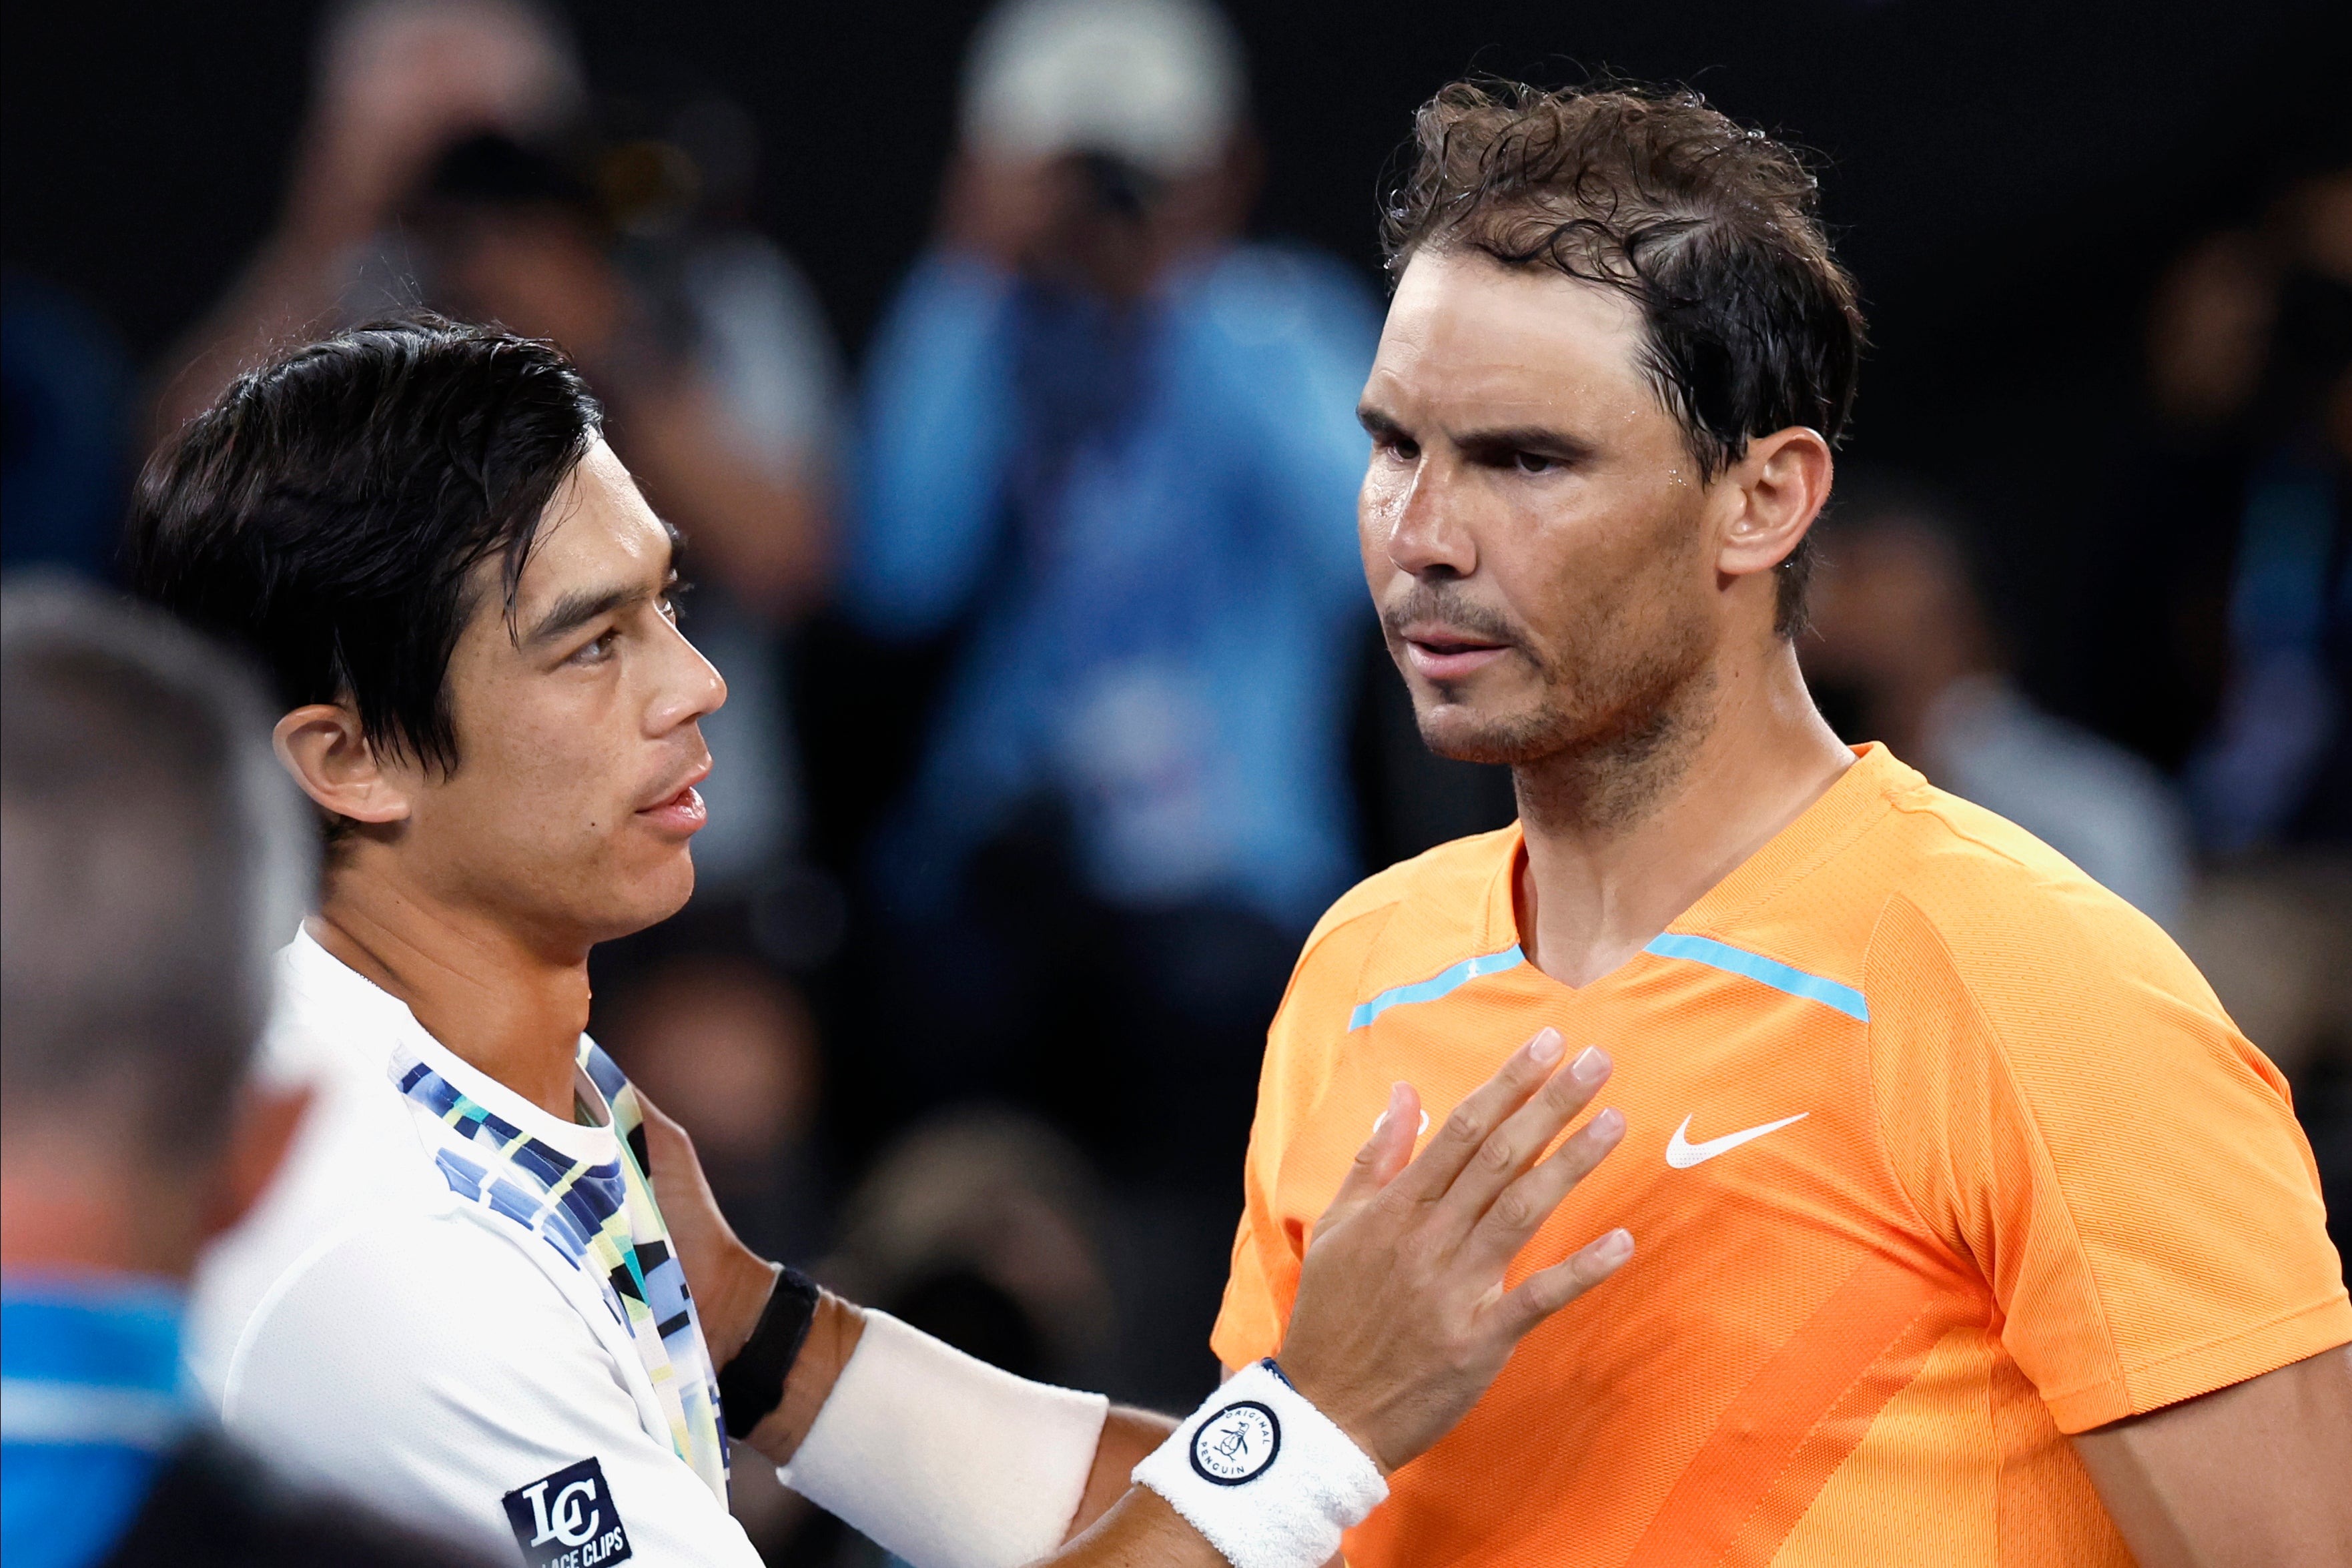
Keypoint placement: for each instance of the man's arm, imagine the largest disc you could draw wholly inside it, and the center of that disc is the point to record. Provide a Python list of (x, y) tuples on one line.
[(1128, 1434), (2258, 1474), (732, 1285), (1401, 1319)]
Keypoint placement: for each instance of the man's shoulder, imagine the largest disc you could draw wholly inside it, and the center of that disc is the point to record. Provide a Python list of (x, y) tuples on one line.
[(1449, 885), (1403, 925), (1963, 896), (397, 1272), (358, 1164), (394, 1310)]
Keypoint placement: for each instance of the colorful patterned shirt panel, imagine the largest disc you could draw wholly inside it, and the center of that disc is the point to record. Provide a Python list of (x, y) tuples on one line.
[(601, 1218)]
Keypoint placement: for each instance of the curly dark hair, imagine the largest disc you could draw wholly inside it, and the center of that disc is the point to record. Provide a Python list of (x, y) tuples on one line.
[(1711, 228)]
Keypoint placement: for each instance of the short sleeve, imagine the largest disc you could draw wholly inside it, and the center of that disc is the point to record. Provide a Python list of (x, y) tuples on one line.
[(1301, 1047), (427, 1368), (2070, 1111)]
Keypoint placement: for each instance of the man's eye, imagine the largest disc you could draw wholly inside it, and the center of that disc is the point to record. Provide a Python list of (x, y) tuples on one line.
[(1534, 462), (599, 650), (1403, 450)]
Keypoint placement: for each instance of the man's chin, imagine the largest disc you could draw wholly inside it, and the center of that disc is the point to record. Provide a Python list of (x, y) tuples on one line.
[(1454, 732), (649, 898)]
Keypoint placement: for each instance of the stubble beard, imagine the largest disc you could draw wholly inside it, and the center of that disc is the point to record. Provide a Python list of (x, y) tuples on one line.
[(1618, 724)]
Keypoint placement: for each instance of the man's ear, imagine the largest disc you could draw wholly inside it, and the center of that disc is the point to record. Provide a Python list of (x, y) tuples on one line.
[(324, 748), (1777, 490)]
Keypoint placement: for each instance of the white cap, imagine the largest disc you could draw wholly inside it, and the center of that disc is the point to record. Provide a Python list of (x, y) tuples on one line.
[(1157, 82)]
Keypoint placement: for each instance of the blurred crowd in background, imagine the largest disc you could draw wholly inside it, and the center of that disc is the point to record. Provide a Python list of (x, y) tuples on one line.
[(1057, 712)]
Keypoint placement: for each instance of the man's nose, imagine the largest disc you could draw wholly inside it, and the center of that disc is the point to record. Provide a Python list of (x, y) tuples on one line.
[(1428, 533), (691, 689)]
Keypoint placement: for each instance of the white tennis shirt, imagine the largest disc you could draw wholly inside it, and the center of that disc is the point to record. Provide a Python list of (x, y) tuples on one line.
[(460, 1308)]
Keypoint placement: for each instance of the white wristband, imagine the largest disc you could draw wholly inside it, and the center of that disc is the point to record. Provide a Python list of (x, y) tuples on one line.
[(943, 1459), (1264, 1476)]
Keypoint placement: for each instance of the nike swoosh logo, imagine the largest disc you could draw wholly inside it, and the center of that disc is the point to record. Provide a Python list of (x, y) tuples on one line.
[(1682, 1154)]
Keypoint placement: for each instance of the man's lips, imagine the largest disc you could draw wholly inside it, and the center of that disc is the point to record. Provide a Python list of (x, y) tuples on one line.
[(1441, 653), (681, 810)]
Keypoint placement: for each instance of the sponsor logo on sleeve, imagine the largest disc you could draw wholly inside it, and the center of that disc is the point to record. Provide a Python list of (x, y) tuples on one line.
[(1236, 1443), (567, 1519)]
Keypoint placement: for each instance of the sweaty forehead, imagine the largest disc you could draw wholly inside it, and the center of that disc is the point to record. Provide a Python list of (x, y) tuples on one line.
[(1469, 340)]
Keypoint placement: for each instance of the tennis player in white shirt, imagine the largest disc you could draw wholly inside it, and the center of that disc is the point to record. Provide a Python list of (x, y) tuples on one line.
[(491, 1289)]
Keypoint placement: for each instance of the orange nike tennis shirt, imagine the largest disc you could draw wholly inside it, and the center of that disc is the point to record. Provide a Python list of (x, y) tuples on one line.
[(1935, 1151)]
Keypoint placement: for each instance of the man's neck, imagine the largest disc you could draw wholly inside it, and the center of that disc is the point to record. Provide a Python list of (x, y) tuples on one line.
[(1621, 840), (508, 1005)]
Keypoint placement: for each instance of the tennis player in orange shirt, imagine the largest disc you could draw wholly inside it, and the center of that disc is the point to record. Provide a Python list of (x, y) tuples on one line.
[(1972, 1231)]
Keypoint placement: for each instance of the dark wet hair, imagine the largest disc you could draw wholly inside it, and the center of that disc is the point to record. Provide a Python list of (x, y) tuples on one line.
[(328, 511), (1710, 229)]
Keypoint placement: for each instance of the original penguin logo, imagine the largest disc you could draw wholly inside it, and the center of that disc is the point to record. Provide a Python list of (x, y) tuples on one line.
[(1236, 1443)]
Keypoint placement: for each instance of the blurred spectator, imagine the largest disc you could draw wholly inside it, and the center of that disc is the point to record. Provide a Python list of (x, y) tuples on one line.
[(1112, 449), (730, 1050), (2217, 620), (399, 82), (2214, 621), (155, 855), (984, 1226), (445, 166), (1902, 634), (66, 386)]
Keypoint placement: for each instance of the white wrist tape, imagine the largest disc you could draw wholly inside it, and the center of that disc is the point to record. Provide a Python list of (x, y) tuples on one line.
[(1264, 1476), (945, 1460)]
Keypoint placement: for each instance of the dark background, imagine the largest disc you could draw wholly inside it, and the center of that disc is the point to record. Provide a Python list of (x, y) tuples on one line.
[(2005, 177), (1995, 169)]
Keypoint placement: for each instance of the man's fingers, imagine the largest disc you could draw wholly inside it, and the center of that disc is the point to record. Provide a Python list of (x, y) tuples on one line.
[(1384, 1153), (1513, 1146), (1527, 1203), (1433, 1171), (1547, 1291)]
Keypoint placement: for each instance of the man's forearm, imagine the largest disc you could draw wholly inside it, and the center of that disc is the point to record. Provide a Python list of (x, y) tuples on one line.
[(1126, 1436), (1117, 1524), (833, 1337), (1138, 1530)]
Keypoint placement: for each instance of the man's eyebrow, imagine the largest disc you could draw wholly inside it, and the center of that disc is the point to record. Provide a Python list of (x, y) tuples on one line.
[(580, 607), (1541, 439), (1496, 442)]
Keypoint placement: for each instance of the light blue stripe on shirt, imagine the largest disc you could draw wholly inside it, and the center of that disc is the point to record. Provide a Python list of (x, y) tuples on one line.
[(1756, 966), (1437, 985)]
